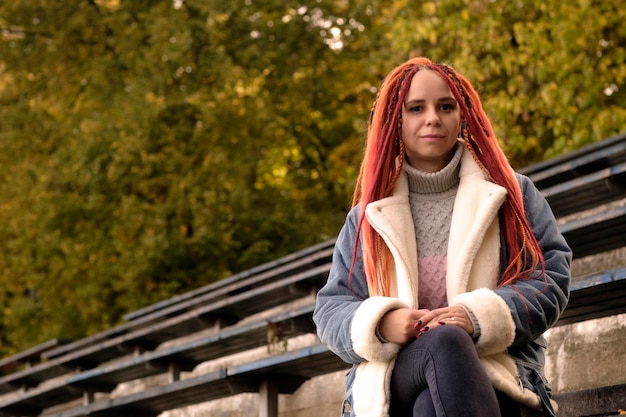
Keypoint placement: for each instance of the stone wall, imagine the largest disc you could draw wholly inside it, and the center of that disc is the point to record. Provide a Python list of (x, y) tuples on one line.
[(588, 354), (591, 353)]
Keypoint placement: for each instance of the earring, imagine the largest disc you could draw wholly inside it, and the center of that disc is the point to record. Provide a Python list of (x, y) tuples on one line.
[(463, 129)]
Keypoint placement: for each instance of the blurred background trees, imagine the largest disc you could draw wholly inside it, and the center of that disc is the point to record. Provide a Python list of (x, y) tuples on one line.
[(149, 147)]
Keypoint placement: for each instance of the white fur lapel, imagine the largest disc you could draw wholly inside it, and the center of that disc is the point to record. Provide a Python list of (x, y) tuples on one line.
[(391, 218), (474, 231)]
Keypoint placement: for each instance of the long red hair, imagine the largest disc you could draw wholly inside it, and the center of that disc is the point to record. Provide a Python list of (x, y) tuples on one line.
[(384, 158)]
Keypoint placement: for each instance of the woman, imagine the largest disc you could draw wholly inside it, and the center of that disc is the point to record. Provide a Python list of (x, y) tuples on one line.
[(449, 267)]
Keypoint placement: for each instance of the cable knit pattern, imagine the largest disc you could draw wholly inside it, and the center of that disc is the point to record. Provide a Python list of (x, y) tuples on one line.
[(431, 196)]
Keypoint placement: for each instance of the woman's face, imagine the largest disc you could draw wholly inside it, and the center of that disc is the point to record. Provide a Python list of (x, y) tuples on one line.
[(431, 119)]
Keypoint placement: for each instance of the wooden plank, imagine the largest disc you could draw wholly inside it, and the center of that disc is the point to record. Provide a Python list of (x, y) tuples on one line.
[(596, 233), (578, 163), (33, 402), (593, 190), (593, 148), (31, 377), (28, 356), (149, 401), (596, 295)]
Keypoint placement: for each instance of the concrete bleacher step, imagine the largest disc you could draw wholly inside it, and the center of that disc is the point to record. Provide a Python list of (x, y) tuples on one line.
[(594, 402)]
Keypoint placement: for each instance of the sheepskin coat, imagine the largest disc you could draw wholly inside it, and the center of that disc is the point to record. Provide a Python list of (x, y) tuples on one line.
[(512, 319)]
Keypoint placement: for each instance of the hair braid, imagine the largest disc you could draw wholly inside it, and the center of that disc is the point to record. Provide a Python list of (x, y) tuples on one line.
[(380, 170)]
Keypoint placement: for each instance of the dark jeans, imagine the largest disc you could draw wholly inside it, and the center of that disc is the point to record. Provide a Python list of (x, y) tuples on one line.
[(439, 374)]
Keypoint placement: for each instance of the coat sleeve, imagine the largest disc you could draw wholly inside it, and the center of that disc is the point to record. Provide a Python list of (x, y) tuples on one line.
[(536, 303), (345, 316)]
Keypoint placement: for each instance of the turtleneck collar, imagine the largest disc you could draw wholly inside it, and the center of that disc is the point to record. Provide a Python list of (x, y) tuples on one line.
[(435, 182)]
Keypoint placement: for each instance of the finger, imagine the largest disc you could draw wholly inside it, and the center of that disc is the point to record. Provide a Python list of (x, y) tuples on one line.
[(461, 322), (426, 317)]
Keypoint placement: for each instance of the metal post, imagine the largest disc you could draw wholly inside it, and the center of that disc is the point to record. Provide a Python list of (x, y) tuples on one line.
[(173, 373), (88, 397), (268, 399)]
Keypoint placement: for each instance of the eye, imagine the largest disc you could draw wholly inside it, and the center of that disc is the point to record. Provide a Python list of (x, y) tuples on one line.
[(448, 107), (415, 109)]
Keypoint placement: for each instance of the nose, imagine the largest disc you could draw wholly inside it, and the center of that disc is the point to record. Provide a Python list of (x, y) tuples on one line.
[(432, 117)]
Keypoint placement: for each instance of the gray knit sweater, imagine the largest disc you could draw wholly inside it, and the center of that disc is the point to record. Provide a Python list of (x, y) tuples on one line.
[(431, 196)]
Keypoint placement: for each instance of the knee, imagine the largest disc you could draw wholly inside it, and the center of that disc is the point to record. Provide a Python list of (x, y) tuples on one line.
[(448, 338), (441, 341)]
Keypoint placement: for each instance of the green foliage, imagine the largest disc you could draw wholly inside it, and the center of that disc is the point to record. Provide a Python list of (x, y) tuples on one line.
[(551, 73), (151, 147)]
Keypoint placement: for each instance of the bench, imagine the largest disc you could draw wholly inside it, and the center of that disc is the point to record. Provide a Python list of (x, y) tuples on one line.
[(170, 360), (281, 267), (597, 232), (27, 357), (283, 374), (587, 160), (287, 266), (606, 185), (595, 296), (232, 308), (280, 374)]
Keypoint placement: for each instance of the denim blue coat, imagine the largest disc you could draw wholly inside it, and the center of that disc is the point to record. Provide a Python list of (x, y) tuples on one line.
[(512, 318)]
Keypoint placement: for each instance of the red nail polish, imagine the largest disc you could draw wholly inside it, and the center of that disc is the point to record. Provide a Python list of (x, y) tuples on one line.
[(424, 329), (441, 323)]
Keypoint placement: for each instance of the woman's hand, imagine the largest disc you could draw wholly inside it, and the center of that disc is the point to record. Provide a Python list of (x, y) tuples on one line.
[(449, 316), (402, 325)]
